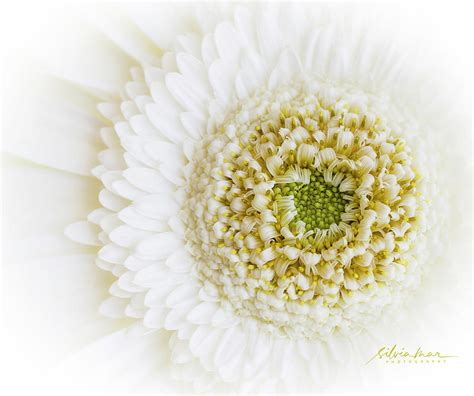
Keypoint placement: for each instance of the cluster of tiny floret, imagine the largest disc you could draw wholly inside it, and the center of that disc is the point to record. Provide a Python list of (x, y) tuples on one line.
[(302, 208)]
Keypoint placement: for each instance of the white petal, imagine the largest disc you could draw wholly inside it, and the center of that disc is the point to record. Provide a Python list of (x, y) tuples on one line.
[(172, 173), (244, 22), (105, 265), (185, 293), (136, 307), (164, 113), (134, 263), (190, 43), (188, 96), (164, 152), (116, 291), (177, 226), (83, 232), (202, 313), (208, 49), (161, 22), (83, 55), (156, 297), (109, 177), (128, 236), (110, 222), (112, 201), (185, 331), (126, 282), (155, 317), (114, 307), (168, 62), (111, 111), (222, 76), (194, 125), (147, 180), (129, 109), (123, 129), (135, 155), (159, 246), (176, 318), (180, 353), (231, 342), (127, 190), (112, 159), (132, 218), (262, 347), (142, 101), (286, 69), (231, 371), (143, 128), (203, 341), (194, 71), (51, 131), (268, 33), (97, 214), (113, 253), (224, 319), (224, 35), (135, 88), (159, 207), (179, 261), (152, 275), (311, 48)]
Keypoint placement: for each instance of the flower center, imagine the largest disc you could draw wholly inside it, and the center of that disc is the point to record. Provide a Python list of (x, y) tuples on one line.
[(319, 203), (303, 209)]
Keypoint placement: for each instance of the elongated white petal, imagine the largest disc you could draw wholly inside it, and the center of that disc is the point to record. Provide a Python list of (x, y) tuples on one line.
[(202, 313), (158, 246), (147, 180), (114, 307), (127, 236), (159, 207), (183, 294), (83, 232), (134, 219)]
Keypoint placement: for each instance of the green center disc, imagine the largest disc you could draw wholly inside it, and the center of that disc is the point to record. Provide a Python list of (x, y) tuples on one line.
[(319, 204)]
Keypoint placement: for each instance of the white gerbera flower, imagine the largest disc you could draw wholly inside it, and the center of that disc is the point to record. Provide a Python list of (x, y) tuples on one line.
[(271, 192)]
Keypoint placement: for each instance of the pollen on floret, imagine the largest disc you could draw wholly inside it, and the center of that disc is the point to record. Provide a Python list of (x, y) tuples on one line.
[(320, 178)]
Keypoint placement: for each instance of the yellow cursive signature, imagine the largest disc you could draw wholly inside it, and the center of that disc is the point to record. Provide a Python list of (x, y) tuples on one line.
[(395, 352)]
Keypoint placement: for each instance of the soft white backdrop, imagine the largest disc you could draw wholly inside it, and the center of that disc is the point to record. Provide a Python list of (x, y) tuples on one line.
[(39, 37)]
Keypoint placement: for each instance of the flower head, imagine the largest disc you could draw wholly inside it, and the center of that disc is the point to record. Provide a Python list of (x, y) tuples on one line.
[(262, 199), (302, 216)]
